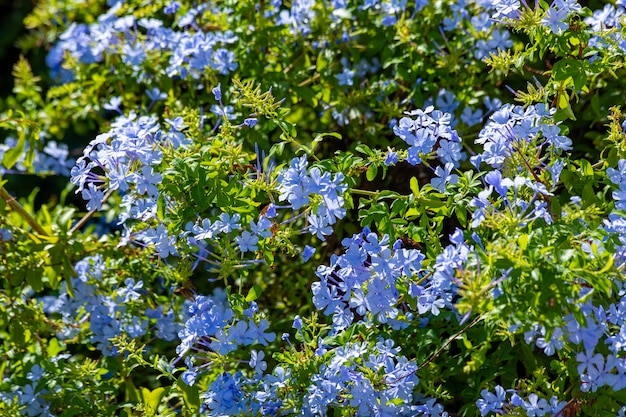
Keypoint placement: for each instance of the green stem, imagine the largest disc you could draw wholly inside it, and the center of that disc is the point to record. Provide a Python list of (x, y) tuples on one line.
[(364, 192), (309, 80), (16, 206), (450, 340), (425, 277)]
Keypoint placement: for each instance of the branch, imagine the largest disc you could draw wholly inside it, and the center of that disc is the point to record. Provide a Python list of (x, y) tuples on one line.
[(16, 206), (453, 337), (88, 216)]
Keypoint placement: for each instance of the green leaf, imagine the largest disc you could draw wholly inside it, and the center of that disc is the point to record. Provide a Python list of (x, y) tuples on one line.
[(461, 215), (68, 273), (132, 393), (288, 128), (412, 212), (598, 281), (54, 347), (585, 167), (320, 136), (563, 101), (414, 186), (365, 149), (371, 173), (523, 241), (16, 332), (33, 277), (308, 95), (387, 194), (152, 399), (569, 68), (13, 155), (254, 293), (322, 62), (161, 206), (191, 396)]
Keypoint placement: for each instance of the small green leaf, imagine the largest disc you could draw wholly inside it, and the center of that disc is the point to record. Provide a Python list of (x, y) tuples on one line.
[(152, 399), (254, 293), (33, 277), (412, 212), (586, 168), (12, 155), (320, 137), (523, 241), (461, 215), (54, 347), (16, 331), (132, 393), (371, 173), (563, 101), (364, 149), (414, 186), (387, 194), (191, 396)]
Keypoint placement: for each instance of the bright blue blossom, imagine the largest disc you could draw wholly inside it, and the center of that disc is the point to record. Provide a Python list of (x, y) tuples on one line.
[(422, 132), (296, 185), (443, 177), (391, 158), (491, 402), (556, 20)]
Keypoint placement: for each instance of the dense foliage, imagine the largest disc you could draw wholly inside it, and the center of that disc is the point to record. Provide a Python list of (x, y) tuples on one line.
[(331, 207)]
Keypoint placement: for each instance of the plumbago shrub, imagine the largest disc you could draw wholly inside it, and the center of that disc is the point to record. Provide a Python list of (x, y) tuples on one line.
[(344, 208)]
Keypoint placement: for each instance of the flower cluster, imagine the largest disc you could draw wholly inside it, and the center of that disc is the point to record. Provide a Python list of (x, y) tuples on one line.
[(135, 41), (424, 130), (298, 187), (502, 401), (108, 314), (362, 284), (512, 129), (344, 379), (52, 160), (519, 227)]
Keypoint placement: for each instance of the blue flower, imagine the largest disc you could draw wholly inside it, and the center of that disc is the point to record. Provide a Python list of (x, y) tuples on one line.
[(444, 176), (189, 377), (225, 396), (155, 94), (257, 362), (250, 122), (227, 224), (224, 61), (307, 253), (5, 234), (491, 402), (172, 7), (556, 20), (391, 158), (113, 104), (217, 92), (346, 77), (506, 8), (94, 197), (247, 241)]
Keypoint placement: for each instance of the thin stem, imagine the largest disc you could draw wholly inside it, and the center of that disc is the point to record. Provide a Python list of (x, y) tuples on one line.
[(364, 192), (16, 206), (88, 216), (309, 80), (453, 337)]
